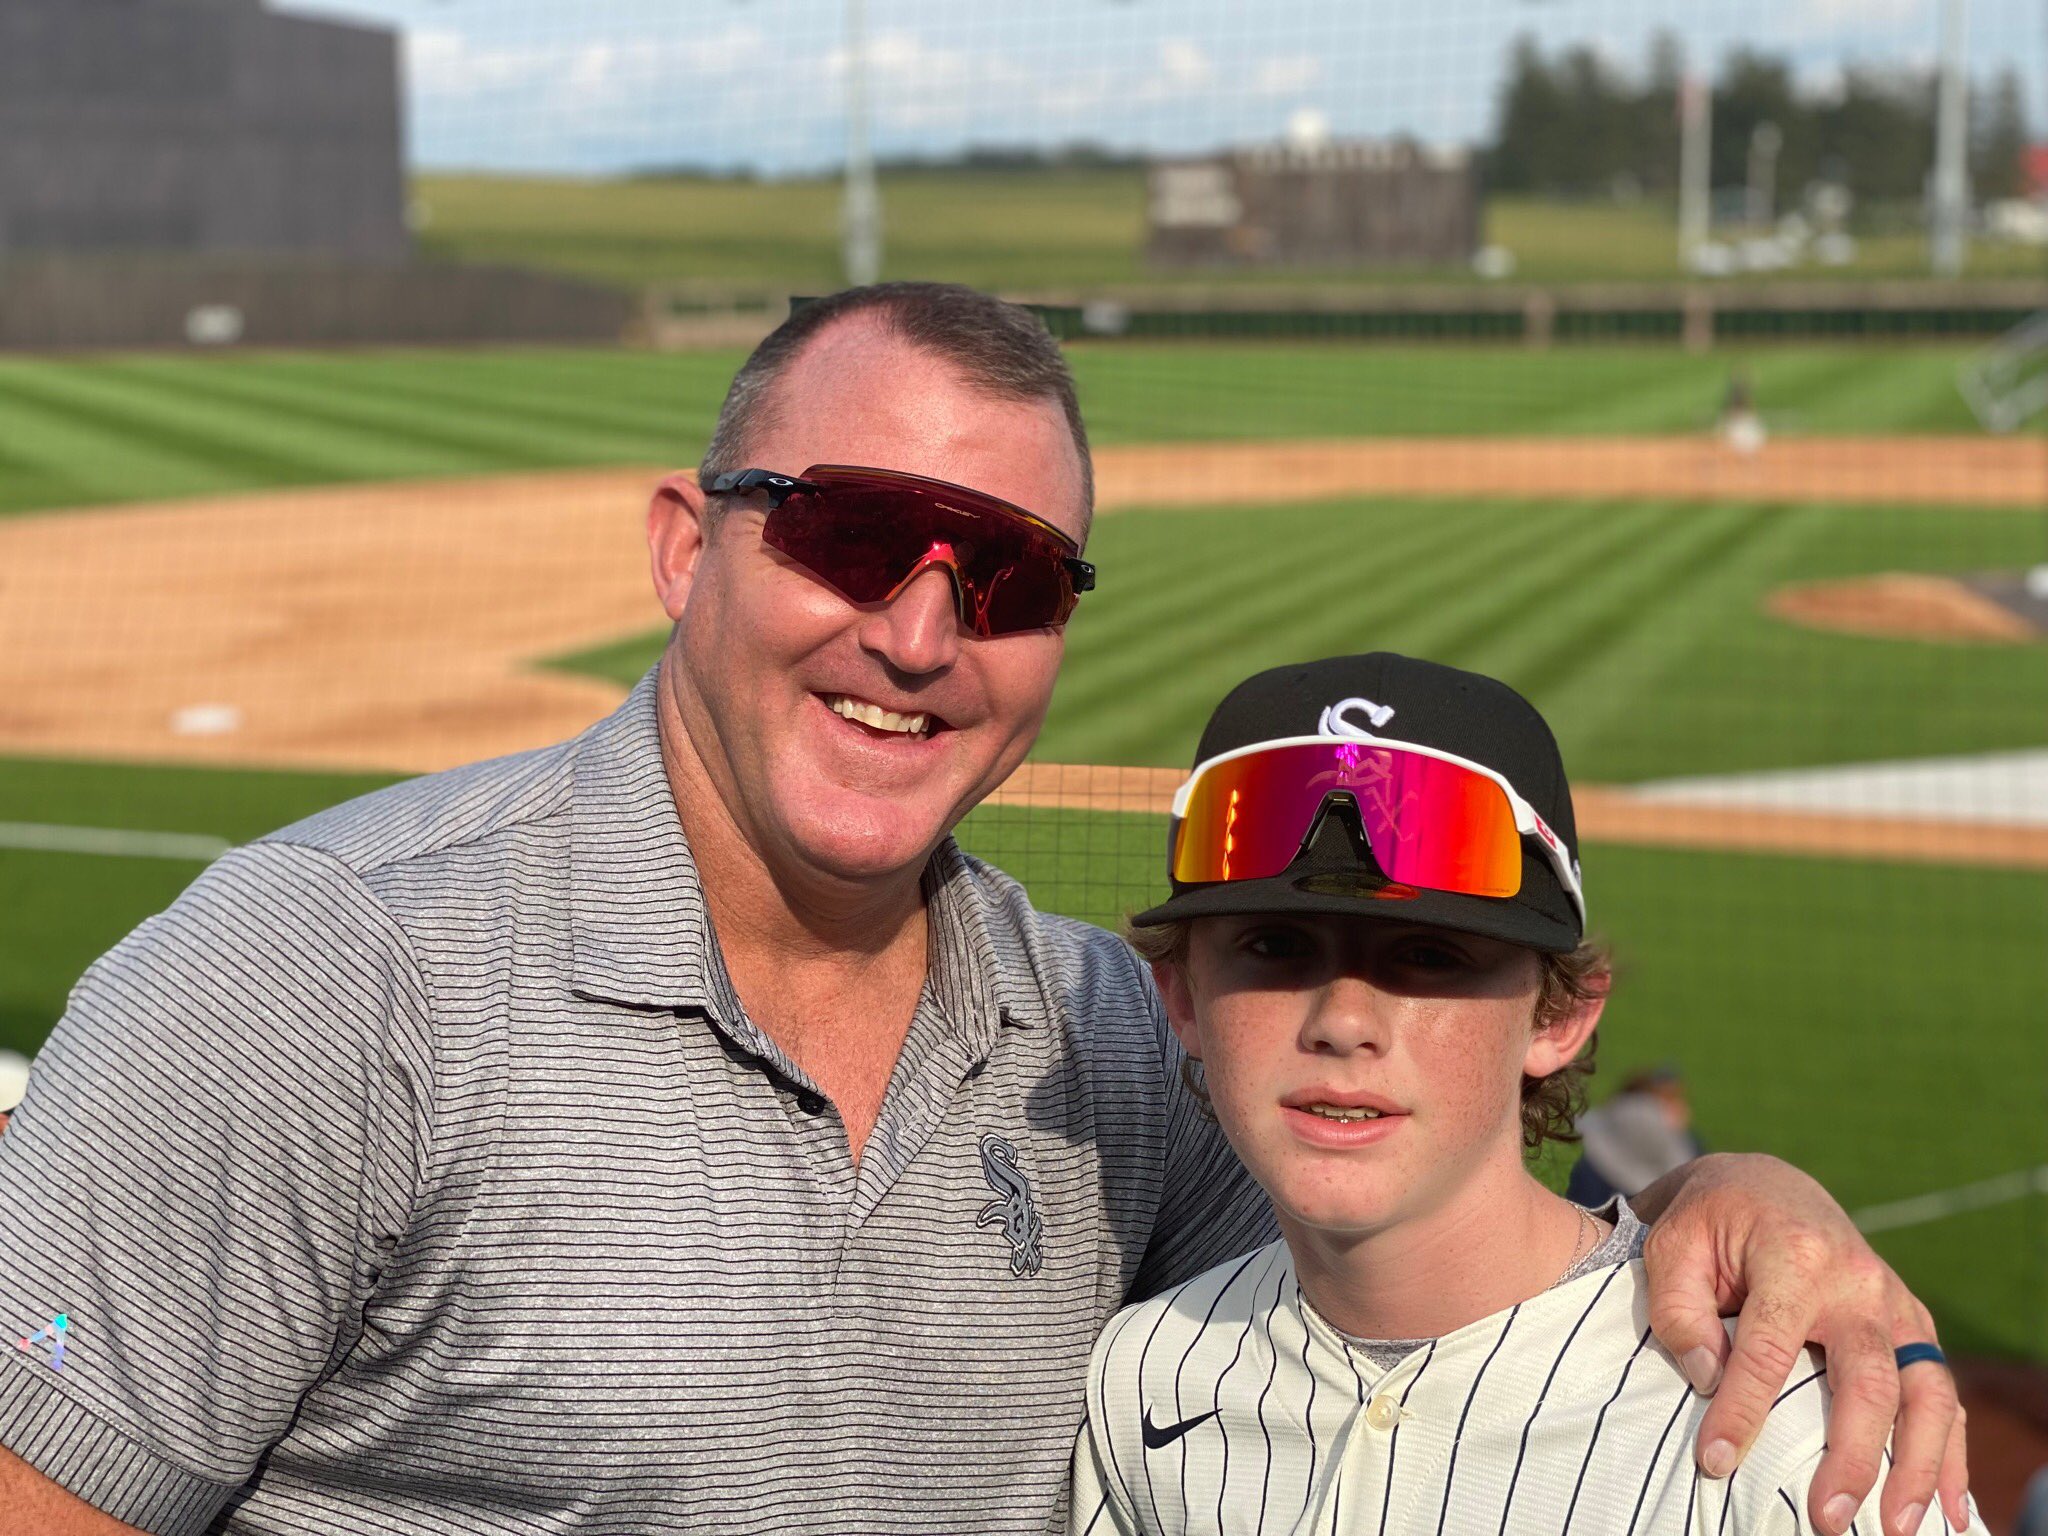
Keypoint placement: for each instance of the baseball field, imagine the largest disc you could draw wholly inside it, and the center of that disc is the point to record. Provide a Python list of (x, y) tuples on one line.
[(234, 590)]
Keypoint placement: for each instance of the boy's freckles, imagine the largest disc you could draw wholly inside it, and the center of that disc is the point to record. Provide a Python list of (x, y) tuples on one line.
[(1361, 1069)]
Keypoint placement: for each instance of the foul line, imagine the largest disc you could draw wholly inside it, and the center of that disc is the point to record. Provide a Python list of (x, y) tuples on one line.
[(1920, 1209), (114, 842)]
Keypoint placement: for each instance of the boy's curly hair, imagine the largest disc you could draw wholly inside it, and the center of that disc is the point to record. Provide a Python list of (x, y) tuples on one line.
[(1551, 1105)]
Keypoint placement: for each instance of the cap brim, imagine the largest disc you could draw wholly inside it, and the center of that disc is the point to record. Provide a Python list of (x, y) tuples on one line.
[(1331, 879), (1507, 919), (1491, 918)]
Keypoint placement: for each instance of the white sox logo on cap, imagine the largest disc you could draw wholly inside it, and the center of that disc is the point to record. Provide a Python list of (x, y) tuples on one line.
[(1333, 723)]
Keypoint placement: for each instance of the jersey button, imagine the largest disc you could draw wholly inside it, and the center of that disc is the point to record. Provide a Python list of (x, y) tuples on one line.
[(810, 1103), (1383, 1413)]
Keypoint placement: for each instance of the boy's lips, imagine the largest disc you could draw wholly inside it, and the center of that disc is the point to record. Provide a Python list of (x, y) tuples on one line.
[(1341, 1098), (1341, 1118)]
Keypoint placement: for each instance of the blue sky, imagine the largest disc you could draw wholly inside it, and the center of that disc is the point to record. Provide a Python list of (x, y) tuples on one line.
[(590, 86)]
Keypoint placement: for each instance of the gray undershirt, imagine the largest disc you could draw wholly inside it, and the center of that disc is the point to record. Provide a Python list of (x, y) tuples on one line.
[(1622, 1244)]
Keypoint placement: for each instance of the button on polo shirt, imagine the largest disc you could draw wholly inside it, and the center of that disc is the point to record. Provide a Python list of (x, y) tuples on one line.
[(419, 1171)]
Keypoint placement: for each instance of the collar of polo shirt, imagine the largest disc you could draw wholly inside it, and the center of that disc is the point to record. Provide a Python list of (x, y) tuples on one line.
[(648, 943)]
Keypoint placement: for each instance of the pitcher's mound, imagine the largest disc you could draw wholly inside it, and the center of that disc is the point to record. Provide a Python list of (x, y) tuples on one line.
[(2001, 609)]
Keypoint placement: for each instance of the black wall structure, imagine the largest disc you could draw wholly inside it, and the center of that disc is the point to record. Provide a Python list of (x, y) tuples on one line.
[(200, 126), (183, 172)]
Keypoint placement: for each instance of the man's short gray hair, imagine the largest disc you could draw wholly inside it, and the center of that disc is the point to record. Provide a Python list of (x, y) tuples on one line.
[(998, 347)]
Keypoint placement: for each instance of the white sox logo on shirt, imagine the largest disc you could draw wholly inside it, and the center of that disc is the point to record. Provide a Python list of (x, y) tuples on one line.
[(1013, 1209), (52, 1334)]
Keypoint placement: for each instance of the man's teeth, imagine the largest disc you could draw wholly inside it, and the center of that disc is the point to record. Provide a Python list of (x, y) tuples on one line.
[(1336, 1112), (881, 719)]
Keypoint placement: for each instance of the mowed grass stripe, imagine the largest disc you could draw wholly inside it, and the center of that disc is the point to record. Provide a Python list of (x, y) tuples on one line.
[(603, 425), (1682, 400), (1127, 636), (90, 457), (1529, 587), (356, 422), (1625, 594), (1600, 693), (1335, 601), (1127, 657), (257, 446)]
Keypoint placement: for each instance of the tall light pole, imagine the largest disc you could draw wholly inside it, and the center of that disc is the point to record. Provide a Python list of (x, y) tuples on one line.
[(860, 212), (1949, 213), (1695, 163)]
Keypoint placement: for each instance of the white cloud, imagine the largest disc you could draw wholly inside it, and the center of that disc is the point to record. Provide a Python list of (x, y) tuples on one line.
[(1185, 65), (1844, 19), (445, 66), (1287, 74), (442, 64)]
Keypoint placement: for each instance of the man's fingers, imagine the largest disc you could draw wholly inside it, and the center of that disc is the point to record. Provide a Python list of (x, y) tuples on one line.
[(1684, 1310), (1770, 1340), (1865, 1385), (1955, 1474), (1920, 1440)]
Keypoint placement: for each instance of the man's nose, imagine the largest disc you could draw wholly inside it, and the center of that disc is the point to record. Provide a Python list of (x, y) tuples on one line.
[(919, 629)]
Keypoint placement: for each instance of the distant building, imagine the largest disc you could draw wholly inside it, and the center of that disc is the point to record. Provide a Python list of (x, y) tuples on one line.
[(1322, 205), (204, 127), (2034, 172)]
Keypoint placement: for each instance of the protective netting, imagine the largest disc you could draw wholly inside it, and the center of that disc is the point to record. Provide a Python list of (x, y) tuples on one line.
[(1430, 329)]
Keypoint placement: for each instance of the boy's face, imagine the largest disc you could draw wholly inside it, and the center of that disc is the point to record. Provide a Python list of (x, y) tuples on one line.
[(1306, 1026)]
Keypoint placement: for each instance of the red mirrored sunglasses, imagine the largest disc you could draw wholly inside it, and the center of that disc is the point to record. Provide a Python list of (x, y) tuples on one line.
[(867, 533)]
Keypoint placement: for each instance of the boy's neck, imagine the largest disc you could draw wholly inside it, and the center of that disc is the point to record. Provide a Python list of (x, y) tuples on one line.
[(1503, 1239)]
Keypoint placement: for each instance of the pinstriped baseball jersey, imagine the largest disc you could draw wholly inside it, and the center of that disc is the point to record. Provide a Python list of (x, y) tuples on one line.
[(1229, 1405)]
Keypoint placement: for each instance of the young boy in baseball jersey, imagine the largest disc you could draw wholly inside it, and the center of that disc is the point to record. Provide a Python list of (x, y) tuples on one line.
[(1374, 949)]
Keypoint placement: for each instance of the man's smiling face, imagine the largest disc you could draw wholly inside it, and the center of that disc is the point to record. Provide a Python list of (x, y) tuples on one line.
[(795, 700)]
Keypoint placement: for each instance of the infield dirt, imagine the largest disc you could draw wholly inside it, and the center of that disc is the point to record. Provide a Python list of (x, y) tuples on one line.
[(399, 627)]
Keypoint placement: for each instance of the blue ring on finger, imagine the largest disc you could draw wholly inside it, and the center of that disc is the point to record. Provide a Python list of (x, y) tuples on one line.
[(1913, 1354)]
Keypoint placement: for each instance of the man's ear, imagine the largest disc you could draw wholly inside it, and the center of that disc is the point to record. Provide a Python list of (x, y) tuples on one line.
[(676, 530), (1172, 980), (1556, 1046)]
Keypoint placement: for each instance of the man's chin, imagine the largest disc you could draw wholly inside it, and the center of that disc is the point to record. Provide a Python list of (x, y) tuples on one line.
[(866, 839)]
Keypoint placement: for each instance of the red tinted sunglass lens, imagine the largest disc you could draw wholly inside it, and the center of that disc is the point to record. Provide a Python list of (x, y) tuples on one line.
[(864, 538), (1029, 591), (857, 540)]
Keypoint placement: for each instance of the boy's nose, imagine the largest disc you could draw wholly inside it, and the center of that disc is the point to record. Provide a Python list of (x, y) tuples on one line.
[(1349, 1014)]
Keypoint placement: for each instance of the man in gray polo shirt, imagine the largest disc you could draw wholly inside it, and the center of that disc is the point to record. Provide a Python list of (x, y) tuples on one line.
[(672, 1130)]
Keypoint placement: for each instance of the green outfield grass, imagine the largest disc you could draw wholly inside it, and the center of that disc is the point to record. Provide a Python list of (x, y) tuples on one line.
[(1877, 1024), (1039, 231), (78, 431), (1881, 1024), (1636, 625)]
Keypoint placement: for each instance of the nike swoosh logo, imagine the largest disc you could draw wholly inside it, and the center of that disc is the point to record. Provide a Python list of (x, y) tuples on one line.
[(1155, 1437)]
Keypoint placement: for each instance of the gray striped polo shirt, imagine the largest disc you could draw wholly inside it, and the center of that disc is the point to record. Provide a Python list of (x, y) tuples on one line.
[(418, 1171)]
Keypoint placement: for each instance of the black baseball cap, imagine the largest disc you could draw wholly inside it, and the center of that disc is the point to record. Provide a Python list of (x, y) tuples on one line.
[(1395, 699)]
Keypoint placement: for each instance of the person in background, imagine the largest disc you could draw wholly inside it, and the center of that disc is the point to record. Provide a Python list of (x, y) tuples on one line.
[(1634, 1138)]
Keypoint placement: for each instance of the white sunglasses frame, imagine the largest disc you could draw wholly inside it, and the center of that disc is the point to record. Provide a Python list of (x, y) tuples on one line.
[(1527, 822)]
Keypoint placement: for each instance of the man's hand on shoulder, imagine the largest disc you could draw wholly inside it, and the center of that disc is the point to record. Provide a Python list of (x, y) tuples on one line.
[(1754, 1235), (32, 1505)]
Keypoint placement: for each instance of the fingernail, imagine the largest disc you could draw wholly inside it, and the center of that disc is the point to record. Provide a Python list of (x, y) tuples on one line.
[(1719, 1460), (1840, 1510), (1702, 1369), (1909, 1519)]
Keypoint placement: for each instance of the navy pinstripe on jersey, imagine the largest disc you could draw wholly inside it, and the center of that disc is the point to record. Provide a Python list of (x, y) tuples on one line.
[(1561, 1415)]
